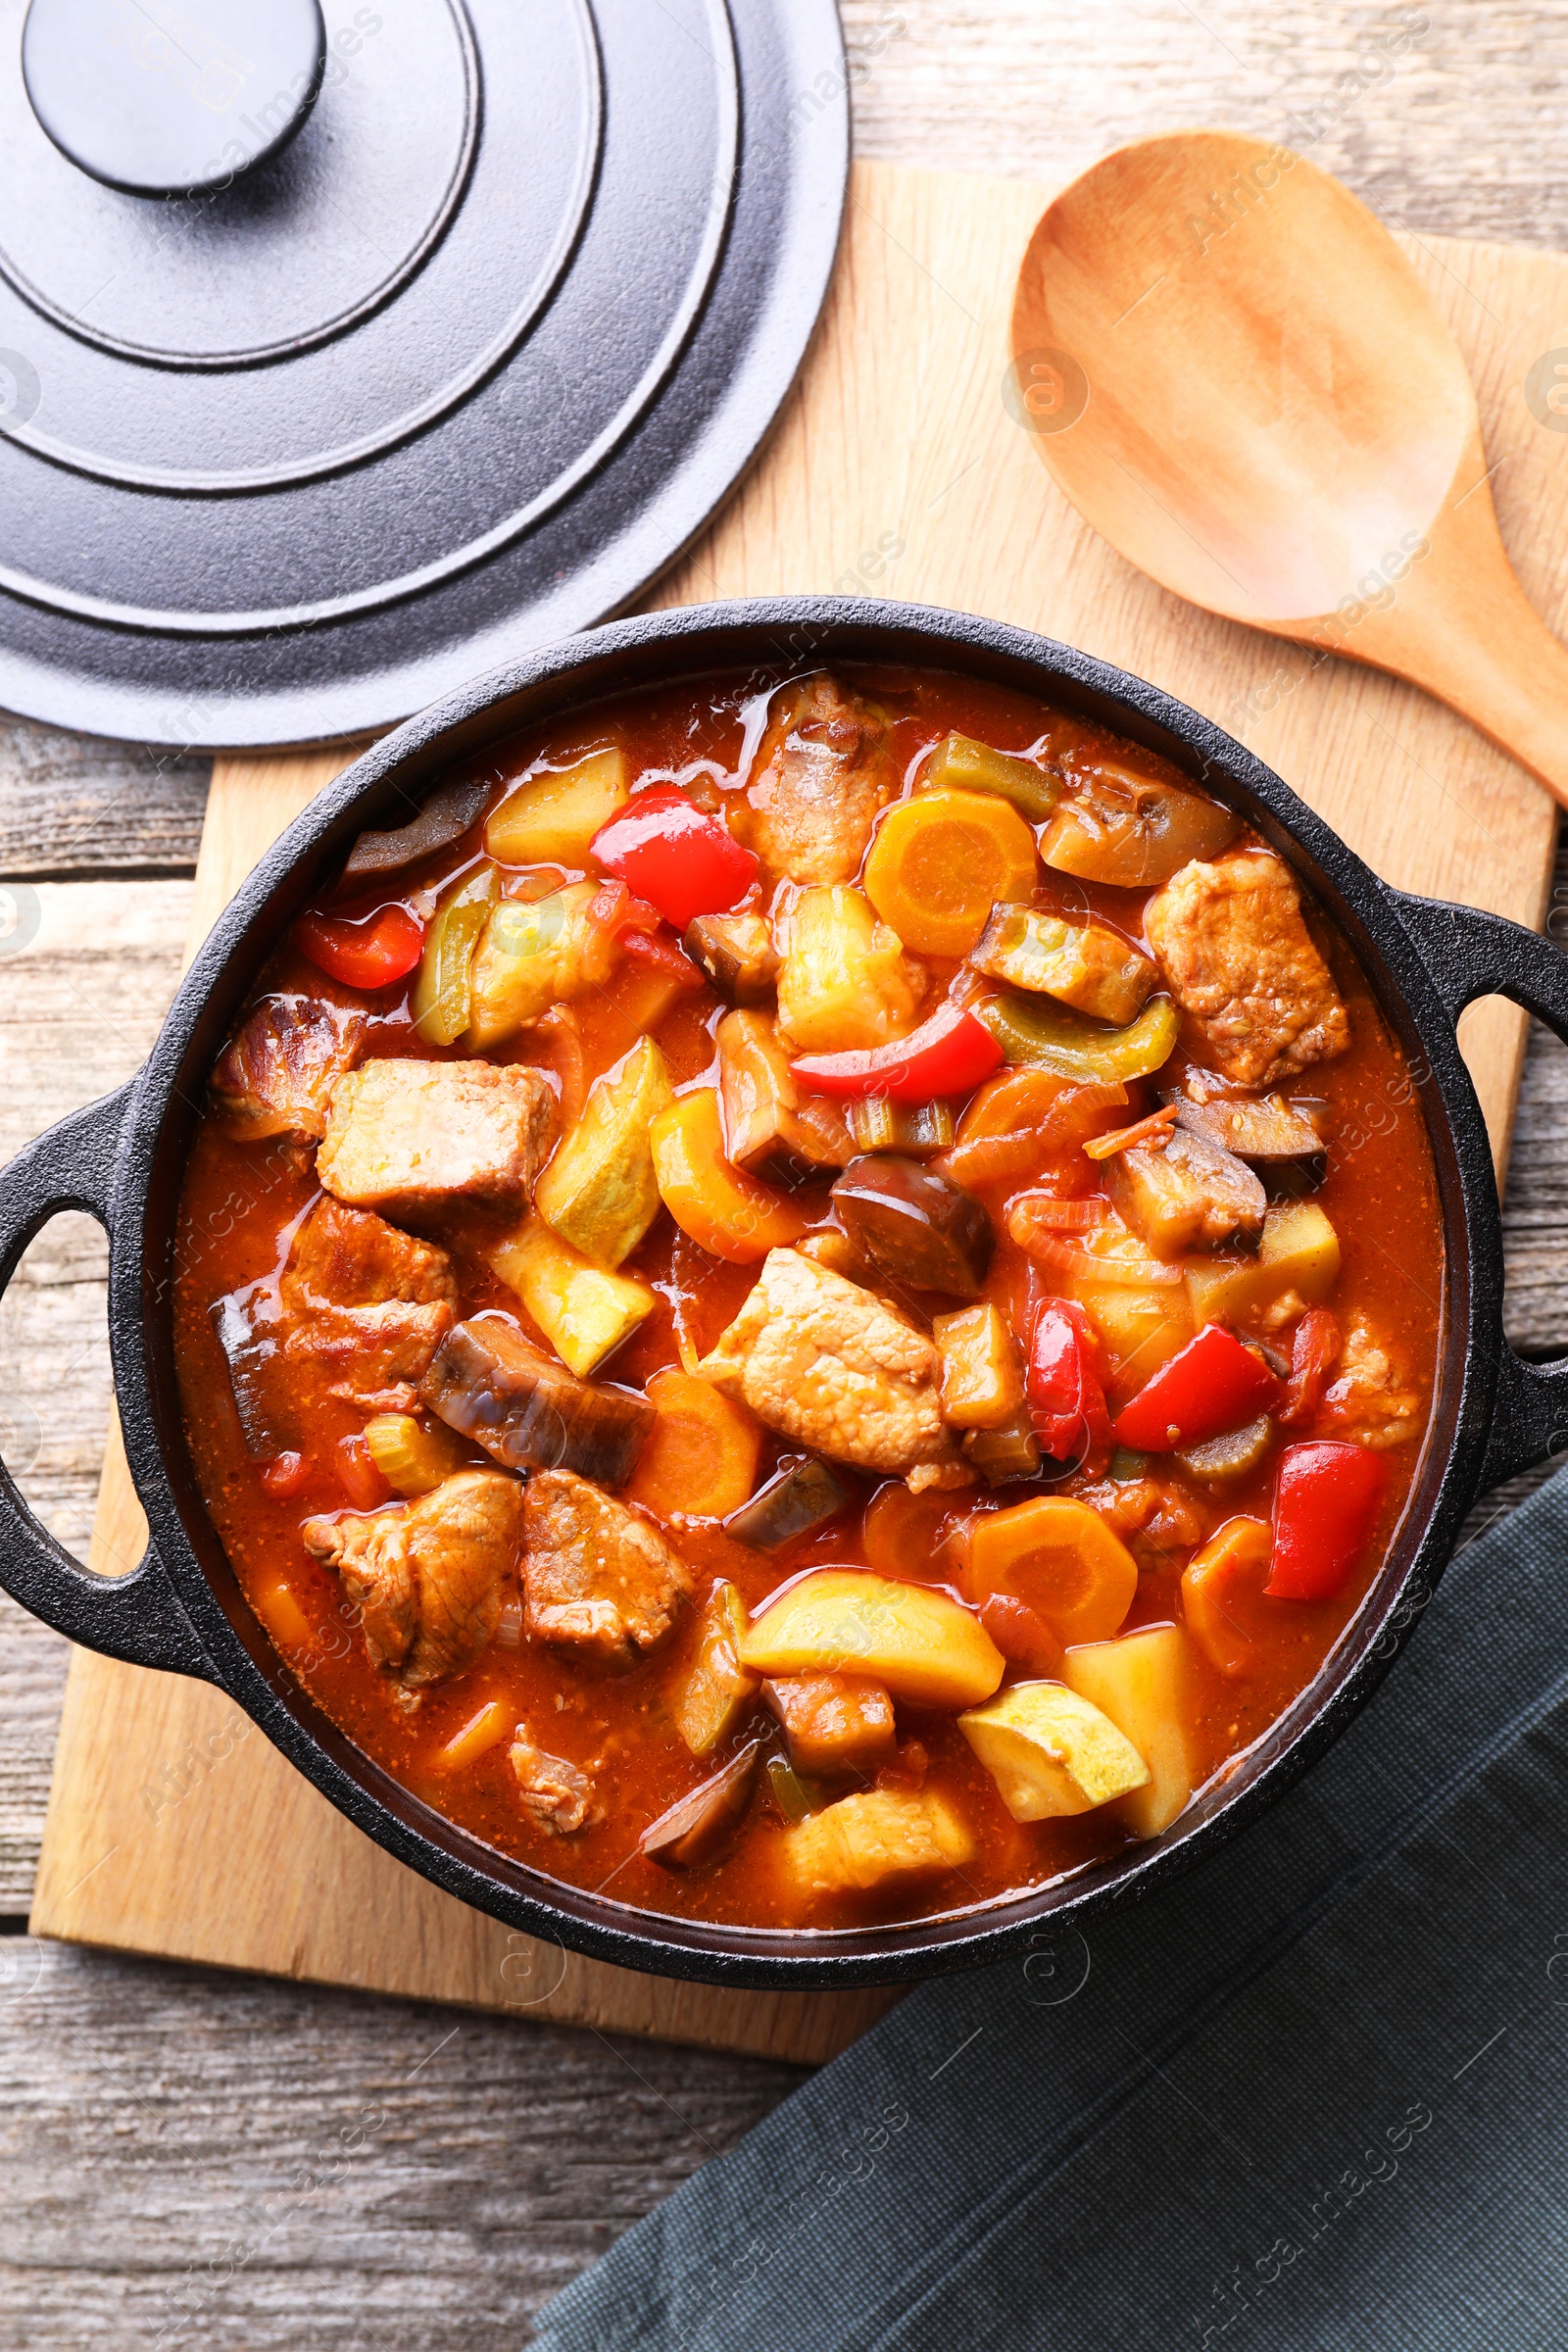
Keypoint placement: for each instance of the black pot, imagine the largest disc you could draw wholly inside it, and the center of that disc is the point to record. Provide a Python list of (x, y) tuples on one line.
[(123, 1160)]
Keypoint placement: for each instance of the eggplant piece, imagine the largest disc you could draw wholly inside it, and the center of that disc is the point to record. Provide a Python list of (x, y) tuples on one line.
[(1271, 1134), (738, 955), (916, 1129), (698, 1828), (445, 818), (801, 1497), (1132, 830), (248, 1324), (1004, 1455), (767, 1116), (1188, 1194), (913, 1225), (1233, 1456), (488, 1382)]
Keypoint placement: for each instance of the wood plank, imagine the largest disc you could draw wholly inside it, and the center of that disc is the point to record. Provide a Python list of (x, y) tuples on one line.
[(75, 805), (205, 2160)]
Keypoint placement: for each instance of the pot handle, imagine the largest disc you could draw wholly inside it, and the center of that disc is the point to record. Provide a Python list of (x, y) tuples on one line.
[(136, 1617), (1469, 953)]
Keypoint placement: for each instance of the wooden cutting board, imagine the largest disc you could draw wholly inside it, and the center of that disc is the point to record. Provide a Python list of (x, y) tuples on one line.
[(898, 470)]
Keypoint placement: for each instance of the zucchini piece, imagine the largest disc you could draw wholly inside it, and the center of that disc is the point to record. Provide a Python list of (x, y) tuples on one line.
[(583, 1311), (921, 1645), (552, 817), (1141, 1681), (1002, 1455), (599, 1192), (1052, 1752), (846, 982), (413, 1459), (982, 1368), (532, 954), (718, 1689), (1086, 966), (1233, 1456), (441, 999)]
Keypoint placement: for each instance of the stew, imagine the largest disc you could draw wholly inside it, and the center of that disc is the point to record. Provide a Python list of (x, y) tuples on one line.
[(810, 1303)]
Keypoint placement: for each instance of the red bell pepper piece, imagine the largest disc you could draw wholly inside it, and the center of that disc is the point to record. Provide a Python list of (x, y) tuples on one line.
[(661, 955), (1314, 1353), (1067, 1401), (285, 1476), (358, 1476), (672, 853), (362, 951), (947, 1054), (1325, 1499), (1215, 1384)]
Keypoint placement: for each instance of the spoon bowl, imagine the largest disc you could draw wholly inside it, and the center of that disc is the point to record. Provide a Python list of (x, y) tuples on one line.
[(1239, 379)]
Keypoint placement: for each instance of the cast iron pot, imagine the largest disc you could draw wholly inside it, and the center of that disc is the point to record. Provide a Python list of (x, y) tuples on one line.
[(122, 1159)]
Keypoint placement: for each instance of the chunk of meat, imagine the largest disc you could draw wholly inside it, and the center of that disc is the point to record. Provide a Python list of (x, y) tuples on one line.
[(821, 773), (1186, 1194), (428, 1577), (835, 1368), (556, 1792), (413, 1138), (596, 1575), (1235, 953), (275, 1075), (833, 1722), (1370, 1399), (1152, 1516), (364, 1301)]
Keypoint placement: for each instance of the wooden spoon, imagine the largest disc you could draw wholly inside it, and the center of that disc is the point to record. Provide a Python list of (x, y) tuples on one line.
[(1237, 377)]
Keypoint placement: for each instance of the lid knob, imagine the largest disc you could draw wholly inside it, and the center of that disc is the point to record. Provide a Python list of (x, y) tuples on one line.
[(166, 100)]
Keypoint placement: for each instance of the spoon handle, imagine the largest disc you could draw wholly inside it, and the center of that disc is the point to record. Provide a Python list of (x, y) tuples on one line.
[(1461, 627)]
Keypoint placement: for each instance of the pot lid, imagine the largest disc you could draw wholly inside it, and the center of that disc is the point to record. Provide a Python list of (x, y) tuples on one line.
[(346, 351)]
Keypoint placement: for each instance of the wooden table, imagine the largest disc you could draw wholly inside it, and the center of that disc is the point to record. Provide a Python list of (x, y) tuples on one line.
[(231, 2163)]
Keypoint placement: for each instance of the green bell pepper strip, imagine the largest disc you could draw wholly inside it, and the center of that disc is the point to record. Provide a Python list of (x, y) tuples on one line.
[(1048, 1037)]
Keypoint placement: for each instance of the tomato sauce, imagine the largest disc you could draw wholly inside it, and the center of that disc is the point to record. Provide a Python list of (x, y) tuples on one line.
[(244, 1200)]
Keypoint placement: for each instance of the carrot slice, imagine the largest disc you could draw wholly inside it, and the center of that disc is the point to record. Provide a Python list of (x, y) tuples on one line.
[(1222, 1595), (478, 1736), (727, 1211), (1060, 1559), (942, 861), (1155, 1129), (701, 1461), (904, 1535)]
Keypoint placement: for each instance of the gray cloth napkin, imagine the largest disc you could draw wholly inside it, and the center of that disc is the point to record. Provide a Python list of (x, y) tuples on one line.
[(1310, 2096)]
